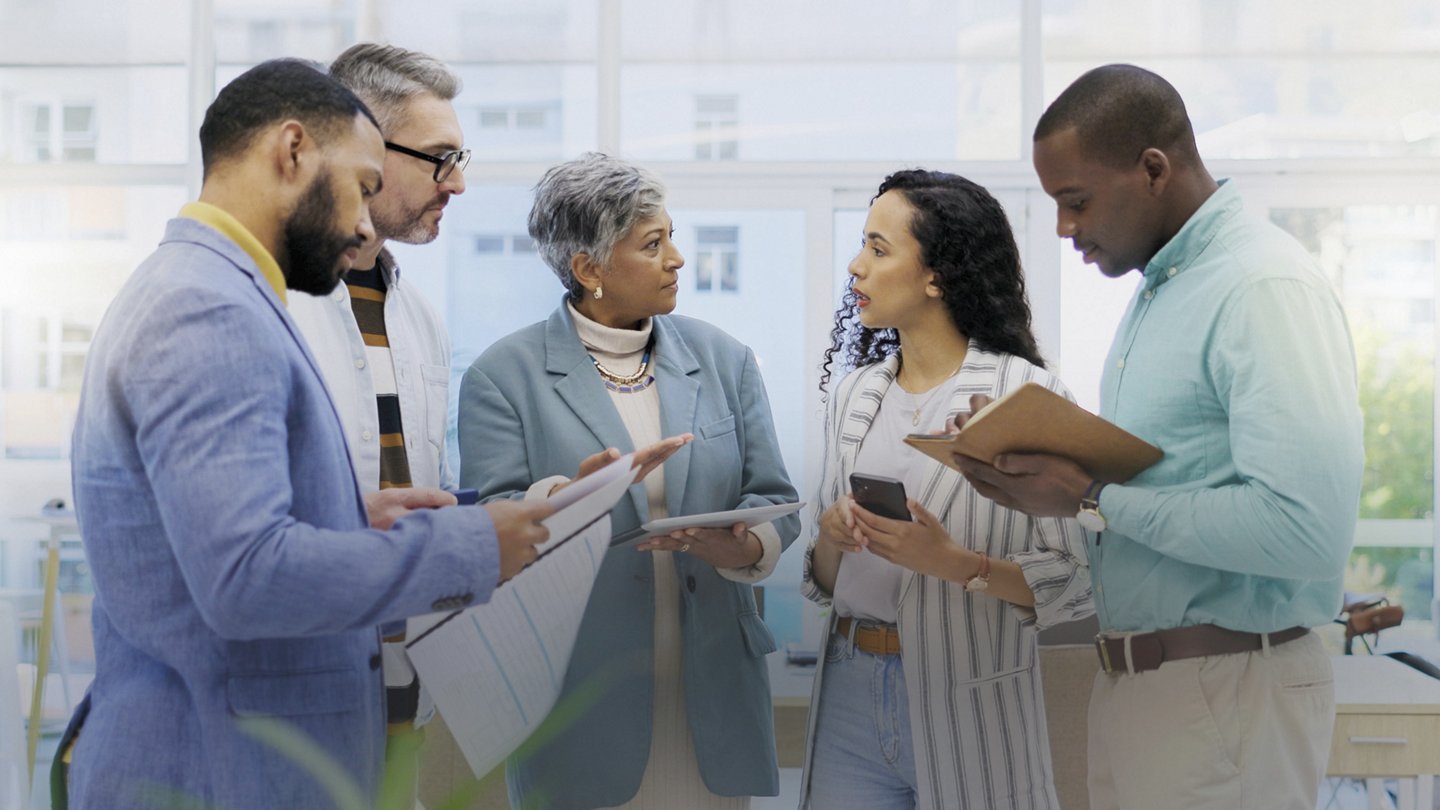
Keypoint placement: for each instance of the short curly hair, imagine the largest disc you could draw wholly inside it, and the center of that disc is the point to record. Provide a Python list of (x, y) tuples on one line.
[(965, 239)]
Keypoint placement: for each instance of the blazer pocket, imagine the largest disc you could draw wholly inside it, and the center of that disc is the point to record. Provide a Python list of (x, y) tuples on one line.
[(758, 640), (328, 691), (998, 675), (715, 430)]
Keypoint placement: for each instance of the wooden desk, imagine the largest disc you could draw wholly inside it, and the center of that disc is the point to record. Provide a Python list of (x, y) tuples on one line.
[(1387, 724)]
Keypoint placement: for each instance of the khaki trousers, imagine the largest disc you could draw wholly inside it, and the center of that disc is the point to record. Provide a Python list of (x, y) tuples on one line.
[(1247, 730)]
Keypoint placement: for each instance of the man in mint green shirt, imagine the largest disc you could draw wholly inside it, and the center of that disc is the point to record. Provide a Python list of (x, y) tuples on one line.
[(1235, 359)]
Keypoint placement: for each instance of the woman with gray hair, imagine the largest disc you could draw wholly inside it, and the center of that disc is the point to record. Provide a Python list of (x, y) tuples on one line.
[(671, 652)]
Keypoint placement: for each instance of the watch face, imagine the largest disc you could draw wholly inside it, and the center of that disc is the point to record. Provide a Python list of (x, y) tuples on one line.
[(1091, 519), (977, 584)]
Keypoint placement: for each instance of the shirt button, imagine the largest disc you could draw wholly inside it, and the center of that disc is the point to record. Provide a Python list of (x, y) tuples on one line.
[(1120, 363), (359, 362), (365, 435), (339, 294), (1149, 294), (1171, 272)]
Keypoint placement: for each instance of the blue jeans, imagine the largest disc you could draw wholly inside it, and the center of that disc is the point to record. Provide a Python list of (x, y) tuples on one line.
[(864, 758)]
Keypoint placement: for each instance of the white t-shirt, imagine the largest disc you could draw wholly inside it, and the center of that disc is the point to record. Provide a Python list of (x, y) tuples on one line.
[(867, 586)]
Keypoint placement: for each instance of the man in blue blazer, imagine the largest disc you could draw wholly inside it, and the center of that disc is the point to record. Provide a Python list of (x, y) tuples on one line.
[(239, 587)]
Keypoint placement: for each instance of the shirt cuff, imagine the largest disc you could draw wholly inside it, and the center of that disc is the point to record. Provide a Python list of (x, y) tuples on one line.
[(540, 490), (769, 556)]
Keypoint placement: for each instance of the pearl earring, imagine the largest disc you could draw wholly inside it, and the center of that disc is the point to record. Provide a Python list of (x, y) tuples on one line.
[(599, 293)]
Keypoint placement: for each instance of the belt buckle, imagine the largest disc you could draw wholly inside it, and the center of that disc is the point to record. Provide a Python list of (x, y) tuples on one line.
[(1100, 639), (1105, 662)]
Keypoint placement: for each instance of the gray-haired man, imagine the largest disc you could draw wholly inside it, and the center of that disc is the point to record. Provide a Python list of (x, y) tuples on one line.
[(382, 349)]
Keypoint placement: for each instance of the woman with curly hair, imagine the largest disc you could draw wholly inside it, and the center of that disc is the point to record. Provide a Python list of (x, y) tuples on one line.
[(929, 694)]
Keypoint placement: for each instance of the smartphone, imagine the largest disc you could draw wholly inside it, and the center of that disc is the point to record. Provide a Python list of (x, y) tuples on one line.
[(883, 496)]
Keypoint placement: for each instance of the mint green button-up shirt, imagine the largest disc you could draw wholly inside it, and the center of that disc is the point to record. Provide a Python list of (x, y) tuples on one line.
[(1235, 359)]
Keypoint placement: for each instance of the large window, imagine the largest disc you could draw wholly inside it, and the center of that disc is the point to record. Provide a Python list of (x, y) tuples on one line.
[(772, 124)]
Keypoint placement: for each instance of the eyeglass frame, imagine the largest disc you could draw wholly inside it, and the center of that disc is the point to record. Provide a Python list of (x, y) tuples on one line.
[(461, 159)]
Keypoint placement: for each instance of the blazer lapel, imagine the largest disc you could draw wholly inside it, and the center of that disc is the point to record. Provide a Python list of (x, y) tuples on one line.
[(676, 371), (582, 390), (246, 265), (860, 409)]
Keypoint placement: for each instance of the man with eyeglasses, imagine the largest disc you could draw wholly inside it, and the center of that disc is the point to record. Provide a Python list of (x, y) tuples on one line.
[(382, 349)]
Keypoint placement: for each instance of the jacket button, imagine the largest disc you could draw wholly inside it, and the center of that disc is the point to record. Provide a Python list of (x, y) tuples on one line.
[(375, 661), (690, 583)]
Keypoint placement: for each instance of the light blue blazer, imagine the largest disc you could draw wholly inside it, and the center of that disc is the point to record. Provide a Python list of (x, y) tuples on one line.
[(533, 406), (235, 576)]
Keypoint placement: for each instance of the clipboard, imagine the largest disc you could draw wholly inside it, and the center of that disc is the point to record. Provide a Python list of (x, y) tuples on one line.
[(1034, 419)]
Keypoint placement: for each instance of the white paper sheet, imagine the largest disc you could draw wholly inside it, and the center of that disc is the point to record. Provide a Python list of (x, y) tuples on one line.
[(496, 669)]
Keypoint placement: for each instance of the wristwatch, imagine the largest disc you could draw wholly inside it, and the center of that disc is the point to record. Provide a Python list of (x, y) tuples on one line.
[(981, 580), (1089, 515)]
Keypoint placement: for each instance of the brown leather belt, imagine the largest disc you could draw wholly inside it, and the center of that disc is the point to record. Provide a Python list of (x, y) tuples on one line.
[(873, 640), (1147, 651)]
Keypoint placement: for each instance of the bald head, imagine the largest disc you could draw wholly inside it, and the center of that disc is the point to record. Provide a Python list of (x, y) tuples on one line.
[(1119, 111)]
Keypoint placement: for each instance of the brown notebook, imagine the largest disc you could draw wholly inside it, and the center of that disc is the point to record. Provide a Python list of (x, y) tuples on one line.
[(1033, 419)]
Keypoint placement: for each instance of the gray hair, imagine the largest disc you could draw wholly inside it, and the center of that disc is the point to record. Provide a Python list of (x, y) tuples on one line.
[(587, 205), (386, 78)]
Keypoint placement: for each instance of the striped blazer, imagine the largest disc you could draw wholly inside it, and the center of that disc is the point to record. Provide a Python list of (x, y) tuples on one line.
[(970, 661)]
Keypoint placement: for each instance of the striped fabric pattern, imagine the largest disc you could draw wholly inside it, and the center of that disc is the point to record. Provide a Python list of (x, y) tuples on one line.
[(367, 300), (971, 665)]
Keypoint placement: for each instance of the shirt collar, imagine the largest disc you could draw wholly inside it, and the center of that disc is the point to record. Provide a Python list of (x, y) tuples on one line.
[(389, 270), (1194, 236), (231, 228)]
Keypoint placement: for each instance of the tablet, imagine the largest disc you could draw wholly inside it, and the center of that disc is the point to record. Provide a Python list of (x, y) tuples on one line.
[(753, 516)]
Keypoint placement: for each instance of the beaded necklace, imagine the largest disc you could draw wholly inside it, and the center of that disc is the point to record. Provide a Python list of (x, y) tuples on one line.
[(630, 384)]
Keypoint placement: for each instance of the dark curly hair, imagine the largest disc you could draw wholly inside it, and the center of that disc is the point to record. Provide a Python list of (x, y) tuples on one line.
[(966, 241)]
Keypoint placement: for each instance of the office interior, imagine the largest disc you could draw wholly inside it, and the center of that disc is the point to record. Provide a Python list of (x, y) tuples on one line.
[(772, 124)]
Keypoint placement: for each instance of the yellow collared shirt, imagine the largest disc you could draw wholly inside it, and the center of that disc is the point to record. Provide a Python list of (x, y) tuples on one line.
[(222, 221)]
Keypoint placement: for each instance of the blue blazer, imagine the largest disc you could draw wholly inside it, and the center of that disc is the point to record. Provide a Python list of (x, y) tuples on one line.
[(235, 576), (533, 406)]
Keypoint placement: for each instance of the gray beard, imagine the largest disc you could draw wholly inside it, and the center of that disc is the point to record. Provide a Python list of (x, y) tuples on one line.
[(410, 230)]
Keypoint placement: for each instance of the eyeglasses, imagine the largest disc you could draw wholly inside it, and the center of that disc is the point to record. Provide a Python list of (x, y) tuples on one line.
[(444, 165)]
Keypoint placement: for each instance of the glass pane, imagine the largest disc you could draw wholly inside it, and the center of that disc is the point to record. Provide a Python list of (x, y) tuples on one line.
[(527, 112), (761, 30), (1291, 78), (555, 103), (68, 251), (41, 113), (1091, 306), (249, 32), (121, 114), (705, 272), (83, 32), (1383, 261), (79, 119), (495, 30), (944, 85)]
